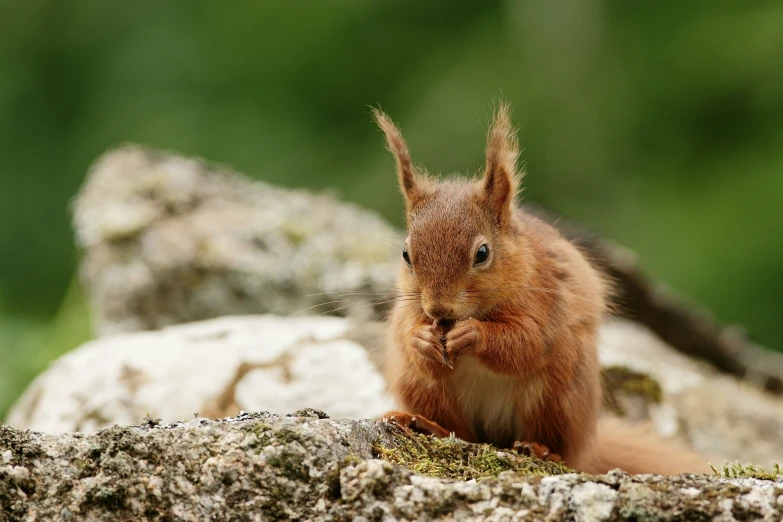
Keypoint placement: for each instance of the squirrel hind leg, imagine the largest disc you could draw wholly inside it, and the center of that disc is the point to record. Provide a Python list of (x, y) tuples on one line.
[(415, 423), (536, 451)]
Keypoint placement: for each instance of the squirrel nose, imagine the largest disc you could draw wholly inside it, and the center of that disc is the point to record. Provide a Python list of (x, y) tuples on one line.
[(437, 312)]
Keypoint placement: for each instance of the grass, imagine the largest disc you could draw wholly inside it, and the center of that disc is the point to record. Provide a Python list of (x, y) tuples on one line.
[(737, 470), (455, 459)]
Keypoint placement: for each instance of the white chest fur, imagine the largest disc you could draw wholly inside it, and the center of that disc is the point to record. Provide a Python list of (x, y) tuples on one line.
[(494, 405)]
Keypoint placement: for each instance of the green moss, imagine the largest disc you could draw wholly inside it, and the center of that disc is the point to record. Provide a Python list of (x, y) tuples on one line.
[(295, 233), (263, 433), (737, 470), (455, 459), (259, 429), (621, 379), (291, 464)]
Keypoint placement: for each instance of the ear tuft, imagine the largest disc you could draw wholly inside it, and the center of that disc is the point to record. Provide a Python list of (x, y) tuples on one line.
[(410, 184), (501, 177)]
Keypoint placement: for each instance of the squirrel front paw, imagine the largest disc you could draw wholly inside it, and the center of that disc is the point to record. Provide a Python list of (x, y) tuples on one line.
[(536, 451), (417, 423), (464, 336), (427, 343)]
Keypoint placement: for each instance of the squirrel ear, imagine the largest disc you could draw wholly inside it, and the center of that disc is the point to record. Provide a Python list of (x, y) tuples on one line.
[(501, 178), (410, 182)]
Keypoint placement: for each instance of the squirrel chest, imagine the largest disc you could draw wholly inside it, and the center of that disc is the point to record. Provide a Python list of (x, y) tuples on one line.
[(494, 406)]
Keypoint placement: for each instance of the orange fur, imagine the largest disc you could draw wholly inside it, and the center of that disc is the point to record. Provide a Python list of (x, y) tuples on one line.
[(635, 449), (502, 350)]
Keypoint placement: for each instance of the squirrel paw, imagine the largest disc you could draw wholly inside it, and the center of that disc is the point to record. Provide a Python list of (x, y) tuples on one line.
[(463, 336), (426, 341), (536, 451), (409, 422)]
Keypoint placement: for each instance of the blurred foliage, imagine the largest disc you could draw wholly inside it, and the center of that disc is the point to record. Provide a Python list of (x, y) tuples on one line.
[(657, 124), (29, 344)]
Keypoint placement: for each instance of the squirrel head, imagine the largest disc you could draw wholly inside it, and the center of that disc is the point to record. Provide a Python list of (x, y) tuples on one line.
[(463, 251)]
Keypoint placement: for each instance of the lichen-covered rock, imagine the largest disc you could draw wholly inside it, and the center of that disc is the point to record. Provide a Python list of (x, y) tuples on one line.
[(169, 240), (216, 367), (262, 467), (221, 366), (720, 416)]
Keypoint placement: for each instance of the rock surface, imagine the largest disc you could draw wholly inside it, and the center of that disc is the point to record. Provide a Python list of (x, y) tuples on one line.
[(168, 240), (261, 467), (221, 366), (722, 417), (216, 367)]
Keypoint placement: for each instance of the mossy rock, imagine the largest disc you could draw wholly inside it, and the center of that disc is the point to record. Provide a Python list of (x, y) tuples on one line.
[(737, 470), (453, 458), (621, 380)]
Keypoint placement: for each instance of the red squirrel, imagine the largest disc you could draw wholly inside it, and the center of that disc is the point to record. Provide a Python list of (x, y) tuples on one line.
[(494, 330)]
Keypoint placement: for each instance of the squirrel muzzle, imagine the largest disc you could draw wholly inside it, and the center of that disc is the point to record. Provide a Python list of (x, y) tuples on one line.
[(438, 311)]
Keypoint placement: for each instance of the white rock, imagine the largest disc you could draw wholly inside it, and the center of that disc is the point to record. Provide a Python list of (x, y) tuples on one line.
[(216, 367), (623, 343), (593, 502), (723, 418)]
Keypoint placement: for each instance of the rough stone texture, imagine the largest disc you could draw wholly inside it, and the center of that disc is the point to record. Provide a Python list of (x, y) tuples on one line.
[(216, 367), (719, 415), (169, 240), (261, 467), (219, 367)]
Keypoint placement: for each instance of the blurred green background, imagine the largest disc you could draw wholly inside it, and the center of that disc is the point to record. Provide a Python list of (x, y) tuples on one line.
[(659, 124)]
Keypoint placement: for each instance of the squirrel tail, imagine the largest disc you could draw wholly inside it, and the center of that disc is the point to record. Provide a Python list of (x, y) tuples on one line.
[(637, 450)]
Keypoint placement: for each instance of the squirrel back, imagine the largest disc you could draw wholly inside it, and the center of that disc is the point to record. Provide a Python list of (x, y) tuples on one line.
[(494, 330)]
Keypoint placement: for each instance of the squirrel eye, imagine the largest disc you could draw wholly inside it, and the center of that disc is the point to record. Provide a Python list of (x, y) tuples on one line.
[(406, 257), (482, 254)]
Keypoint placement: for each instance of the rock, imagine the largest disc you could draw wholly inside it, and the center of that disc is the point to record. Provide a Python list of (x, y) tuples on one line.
[(168, 240), (720, 416), (216, 368), (263, 467), (222, 366)]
